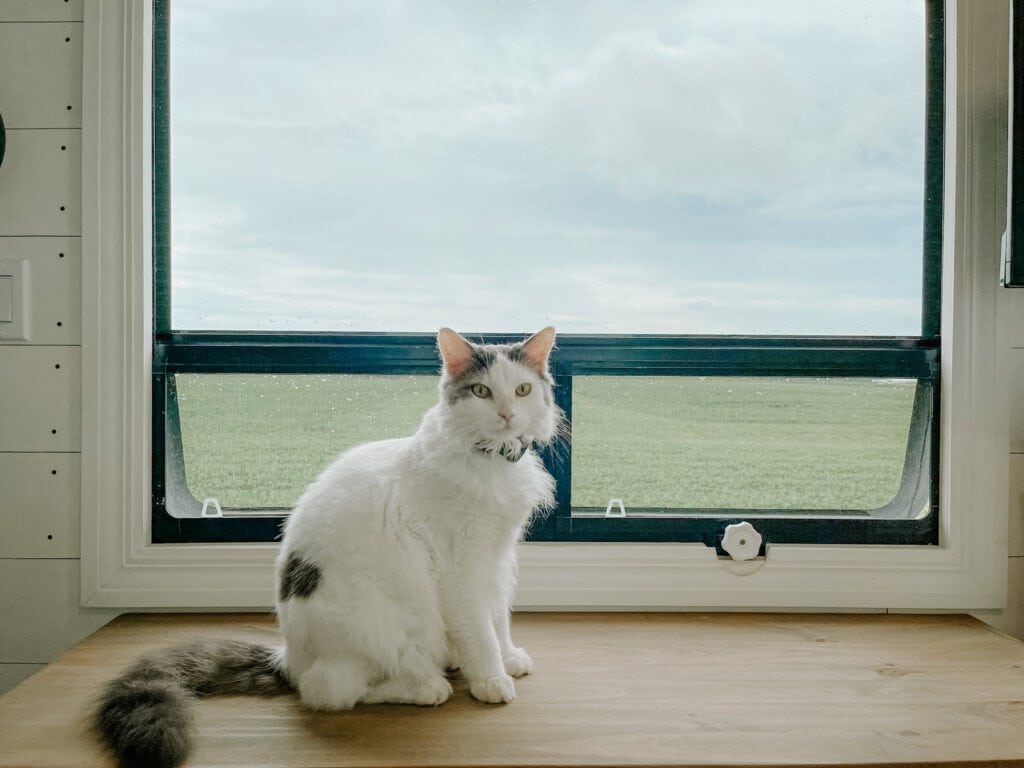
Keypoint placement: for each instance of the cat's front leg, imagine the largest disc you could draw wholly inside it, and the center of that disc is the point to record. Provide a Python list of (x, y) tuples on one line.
[(482, 664), (478, 652), (517, 662)]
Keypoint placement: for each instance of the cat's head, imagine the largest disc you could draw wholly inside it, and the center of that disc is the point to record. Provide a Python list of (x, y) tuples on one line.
[(499, 396)]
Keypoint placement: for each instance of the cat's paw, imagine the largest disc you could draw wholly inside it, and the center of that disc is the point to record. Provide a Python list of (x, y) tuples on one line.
[(518, 663), (432, 692), (494, 690)]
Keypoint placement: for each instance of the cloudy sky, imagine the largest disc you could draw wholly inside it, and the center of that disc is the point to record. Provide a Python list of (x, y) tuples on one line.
[(600, 165)]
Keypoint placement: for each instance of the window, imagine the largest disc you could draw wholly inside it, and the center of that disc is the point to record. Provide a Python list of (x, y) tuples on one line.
[(122, 567), (732, 214)]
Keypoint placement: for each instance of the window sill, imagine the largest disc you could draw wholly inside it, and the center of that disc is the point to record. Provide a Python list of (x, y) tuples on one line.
[(608, 689)]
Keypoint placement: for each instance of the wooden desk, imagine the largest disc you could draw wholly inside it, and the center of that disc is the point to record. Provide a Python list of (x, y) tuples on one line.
[(608, 689)]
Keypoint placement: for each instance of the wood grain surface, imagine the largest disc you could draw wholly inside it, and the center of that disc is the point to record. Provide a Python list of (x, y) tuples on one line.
[(608, 690)]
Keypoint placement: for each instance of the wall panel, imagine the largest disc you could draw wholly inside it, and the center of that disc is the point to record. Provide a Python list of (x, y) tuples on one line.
[(41, 10), (1015, 298), (41, 86), (40, 398), (41, 511), (1016, 414), (1011, 619), (41, 616), (41, 183), (12, 674), (1016, 539), (40, 377)]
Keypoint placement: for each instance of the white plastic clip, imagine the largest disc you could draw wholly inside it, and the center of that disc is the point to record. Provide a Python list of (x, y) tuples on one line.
[(615, 508), (211, 508)]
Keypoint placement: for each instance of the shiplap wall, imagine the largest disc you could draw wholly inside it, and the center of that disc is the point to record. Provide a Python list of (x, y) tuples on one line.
[(40, 409), (40, 379), (1011, 620)]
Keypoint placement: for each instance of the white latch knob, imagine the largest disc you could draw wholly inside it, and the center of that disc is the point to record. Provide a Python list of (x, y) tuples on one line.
[(741, 541)]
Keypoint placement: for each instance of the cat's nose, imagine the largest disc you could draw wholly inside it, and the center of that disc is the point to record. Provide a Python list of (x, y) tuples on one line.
[(506, 416)]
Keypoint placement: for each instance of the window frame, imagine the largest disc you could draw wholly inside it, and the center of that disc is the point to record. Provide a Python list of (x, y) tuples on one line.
[(177, 514), (1013, 259), (898, 524), (121, 566)]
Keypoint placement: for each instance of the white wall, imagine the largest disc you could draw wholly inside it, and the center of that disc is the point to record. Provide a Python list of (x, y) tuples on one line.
[(40, 379), (40, 77), (1011, 620)]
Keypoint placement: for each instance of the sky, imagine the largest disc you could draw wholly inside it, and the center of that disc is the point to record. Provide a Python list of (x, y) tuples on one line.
[(652, 166)]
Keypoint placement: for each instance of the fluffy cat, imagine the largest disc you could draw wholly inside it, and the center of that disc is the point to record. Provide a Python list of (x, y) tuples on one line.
[(397, 564)]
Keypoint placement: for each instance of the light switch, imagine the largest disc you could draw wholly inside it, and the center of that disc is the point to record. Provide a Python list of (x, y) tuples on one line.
[(6, 298), (14, 292)]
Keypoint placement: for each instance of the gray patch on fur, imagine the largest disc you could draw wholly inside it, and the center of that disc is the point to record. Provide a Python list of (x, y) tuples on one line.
[(143, 716), (512, 452), (460, 387), (299, 577), (517, 354)]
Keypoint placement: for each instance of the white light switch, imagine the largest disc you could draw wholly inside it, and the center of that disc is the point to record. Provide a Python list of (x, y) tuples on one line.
[(6, 298), (14, 294)]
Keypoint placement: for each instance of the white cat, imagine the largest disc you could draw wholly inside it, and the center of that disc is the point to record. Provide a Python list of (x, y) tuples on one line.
[(397, 564)]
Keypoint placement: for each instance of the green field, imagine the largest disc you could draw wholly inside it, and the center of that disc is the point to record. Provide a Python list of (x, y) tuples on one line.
[(256, 440)]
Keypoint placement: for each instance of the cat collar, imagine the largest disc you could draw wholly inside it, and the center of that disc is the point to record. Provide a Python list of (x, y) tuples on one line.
[(511, 452)]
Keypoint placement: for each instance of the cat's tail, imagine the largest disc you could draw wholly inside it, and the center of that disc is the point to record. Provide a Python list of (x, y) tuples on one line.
[(144, 716)]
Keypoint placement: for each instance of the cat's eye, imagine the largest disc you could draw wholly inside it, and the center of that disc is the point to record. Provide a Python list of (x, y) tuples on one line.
[(480, 390), (524, 389)]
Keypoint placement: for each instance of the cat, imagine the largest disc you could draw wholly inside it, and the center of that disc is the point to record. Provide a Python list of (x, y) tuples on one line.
[(397, 564)]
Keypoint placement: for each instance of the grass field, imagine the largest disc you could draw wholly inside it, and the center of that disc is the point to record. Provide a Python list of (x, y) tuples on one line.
[(257, 440)]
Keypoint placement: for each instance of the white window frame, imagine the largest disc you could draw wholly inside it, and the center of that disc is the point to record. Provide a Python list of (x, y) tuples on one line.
[(967, 570)]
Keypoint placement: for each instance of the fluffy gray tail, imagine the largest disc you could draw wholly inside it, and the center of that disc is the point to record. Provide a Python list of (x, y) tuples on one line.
[(144, 716)]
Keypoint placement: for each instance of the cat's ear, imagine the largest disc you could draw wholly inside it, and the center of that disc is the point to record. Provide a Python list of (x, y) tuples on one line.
[(456, 352), (537, 348)]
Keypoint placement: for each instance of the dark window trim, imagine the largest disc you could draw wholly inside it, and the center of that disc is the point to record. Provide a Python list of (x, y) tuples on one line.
[(175, 514), (1014, 260)]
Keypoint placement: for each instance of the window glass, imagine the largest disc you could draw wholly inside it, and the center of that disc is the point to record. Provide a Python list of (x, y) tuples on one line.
[(257, 441), (660, 181), (651, 166), (764, 443)]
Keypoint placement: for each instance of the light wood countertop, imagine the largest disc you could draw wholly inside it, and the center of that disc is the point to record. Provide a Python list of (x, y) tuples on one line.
[(607, 690)]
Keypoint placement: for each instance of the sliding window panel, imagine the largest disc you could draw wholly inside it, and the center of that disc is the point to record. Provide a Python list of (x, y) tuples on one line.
[(767, 445)]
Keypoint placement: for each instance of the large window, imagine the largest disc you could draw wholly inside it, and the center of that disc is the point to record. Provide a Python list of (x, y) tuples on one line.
[(730, 211)]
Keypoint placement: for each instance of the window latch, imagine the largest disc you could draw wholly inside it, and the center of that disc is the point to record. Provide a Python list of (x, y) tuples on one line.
[(741, 541)]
